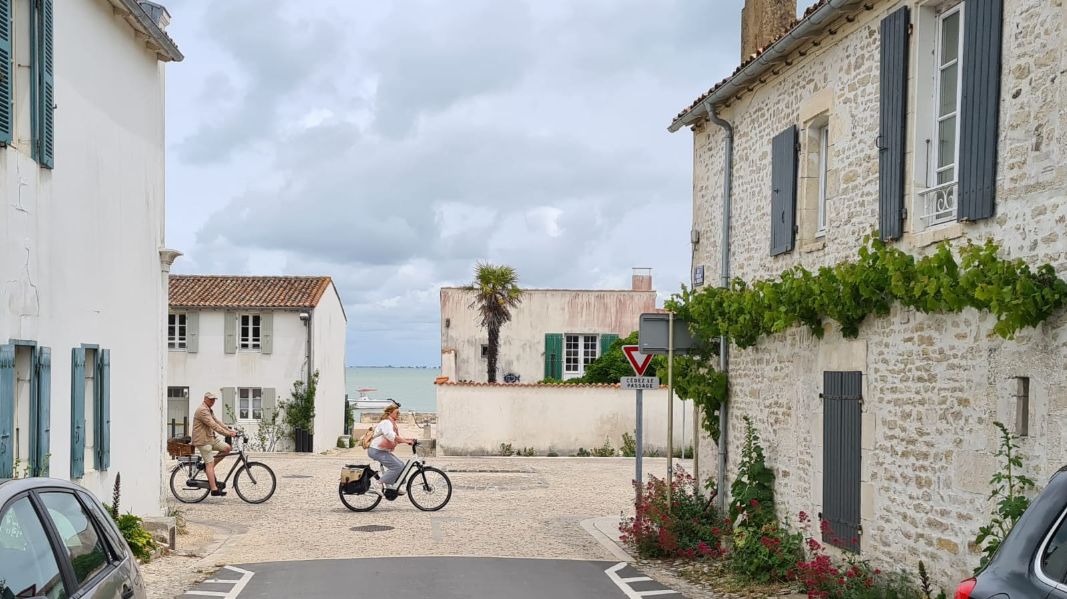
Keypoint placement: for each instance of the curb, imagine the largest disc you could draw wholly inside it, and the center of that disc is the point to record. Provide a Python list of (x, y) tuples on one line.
[(605, 530)]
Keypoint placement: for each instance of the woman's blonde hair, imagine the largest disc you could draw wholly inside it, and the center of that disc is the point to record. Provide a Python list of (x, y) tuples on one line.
[(389, 410)]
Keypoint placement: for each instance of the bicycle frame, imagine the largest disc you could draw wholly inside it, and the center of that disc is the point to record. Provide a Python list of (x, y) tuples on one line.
[(237, 450)]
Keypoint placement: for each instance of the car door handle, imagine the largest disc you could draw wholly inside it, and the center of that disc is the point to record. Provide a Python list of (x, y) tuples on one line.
[(127, 592)]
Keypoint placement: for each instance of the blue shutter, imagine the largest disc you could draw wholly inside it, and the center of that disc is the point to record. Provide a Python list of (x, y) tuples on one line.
[(102, 417), (7, 410), (77, 412), (6, 72), (979, 108), (46, 110), (783, 191), (42, 428), (892, 138)]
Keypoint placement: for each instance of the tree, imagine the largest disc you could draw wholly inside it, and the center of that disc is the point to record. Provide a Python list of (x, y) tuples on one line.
[(613, 365), (496, 292)]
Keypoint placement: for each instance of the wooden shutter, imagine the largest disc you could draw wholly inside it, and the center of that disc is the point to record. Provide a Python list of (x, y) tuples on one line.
[(605, 342), (77, 412), (229, 405), (270, 403), (979, 108), (7, 410), (41, 428), (46, 97), (229, 327), (192, 332), (842, 435), (6, 74), (103, 409), (554, 356), (266, 332), (892, 134), (783, 191)]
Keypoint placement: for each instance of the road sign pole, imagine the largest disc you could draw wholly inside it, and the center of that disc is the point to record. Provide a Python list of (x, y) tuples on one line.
[(639, 452), (670, 411)]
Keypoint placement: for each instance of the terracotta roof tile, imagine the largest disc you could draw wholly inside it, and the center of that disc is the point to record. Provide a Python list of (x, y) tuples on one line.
[(215, 291)]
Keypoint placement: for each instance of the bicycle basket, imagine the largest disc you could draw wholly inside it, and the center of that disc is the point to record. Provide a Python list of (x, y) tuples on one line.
[(179, 446), (355, 478)]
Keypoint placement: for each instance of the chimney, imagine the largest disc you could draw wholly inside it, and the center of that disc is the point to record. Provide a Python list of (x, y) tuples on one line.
[(641, 280), (157, 12), (763, 21)]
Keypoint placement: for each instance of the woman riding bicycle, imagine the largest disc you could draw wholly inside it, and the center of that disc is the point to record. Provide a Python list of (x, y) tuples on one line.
[(386, 438)]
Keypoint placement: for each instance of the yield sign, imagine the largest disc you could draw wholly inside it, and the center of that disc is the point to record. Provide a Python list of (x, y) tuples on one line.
[(638, 360)]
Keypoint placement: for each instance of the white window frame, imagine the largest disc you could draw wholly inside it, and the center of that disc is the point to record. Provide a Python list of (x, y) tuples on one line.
[(582, 356), (824, 163), (249, 342), (246, 409), (177, 331), (938, 119)]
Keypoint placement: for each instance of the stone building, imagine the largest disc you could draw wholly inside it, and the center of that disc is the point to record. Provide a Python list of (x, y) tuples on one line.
[(554, 333), (926, 121)]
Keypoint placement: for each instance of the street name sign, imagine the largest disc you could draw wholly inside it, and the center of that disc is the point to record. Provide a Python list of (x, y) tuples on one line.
[(637, 360), (639, 382)]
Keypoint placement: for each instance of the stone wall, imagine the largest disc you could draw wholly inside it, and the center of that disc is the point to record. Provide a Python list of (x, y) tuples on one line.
[(933, 384)]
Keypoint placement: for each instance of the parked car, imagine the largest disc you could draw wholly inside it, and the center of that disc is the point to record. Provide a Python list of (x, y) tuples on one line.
[(56, 541), (1032, 561)]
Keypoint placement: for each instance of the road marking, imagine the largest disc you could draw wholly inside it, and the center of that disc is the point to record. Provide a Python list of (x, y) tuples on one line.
[(239, 584), (622, 583)]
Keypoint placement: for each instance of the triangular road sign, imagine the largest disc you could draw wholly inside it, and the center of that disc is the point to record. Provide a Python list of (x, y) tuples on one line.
[(638, 360)]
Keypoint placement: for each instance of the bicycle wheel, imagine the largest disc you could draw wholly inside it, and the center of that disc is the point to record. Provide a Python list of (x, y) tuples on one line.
[(260, 483), (360, 503), (183, 492), (429, 489)]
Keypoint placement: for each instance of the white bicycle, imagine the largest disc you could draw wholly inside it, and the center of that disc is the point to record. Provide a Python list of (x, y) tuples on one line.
[(428, 488)]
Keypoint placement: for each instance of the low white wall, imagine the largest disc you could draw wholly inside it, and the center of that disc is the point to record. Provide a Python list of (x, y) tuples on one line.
[(474, 419)]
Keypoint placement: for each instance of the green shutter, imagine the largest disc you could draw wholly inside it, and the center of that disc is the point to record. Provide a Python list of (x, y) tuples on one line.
[(45, 144), (77, 412), (229, 327), (6, 72), (102, 415), (553, 355), (7, 410), (605, 342), (229, 407), (266, 333), (41, 429)]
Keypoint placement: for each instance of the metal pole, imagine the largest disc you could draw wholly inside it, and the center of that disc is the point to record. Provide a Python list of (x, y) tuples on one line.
[(670, 409), (640, 440), (683, 429)]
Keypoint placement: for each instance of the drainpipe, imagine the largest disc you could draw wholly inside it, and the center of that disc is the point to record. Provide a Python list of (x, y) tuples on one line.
[(724, 281)]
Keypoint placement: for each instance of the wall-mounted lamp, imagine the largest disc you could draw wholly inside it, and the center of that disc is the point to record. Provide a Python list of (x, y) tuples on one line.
[(304, 316)]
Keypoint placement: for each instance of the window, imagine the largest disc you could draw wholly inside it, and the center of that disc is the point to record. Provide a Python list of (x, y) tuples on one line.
[(177, 424), (1053, 562), (1022, 406), (249, 333), (485, 350), (90, 397), (88, 554), (823, 134), (176, 331), (250, 403), (28, 568), (579, 351)]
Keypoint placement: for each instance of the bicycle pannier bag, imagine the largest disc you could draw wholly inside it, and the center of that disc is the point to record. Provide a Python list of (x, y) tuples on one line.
[(355, 479)]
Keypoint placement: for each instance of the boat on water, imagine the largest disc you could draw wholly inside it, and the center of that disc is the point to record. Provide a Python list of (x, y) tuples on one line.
[(365, 402)]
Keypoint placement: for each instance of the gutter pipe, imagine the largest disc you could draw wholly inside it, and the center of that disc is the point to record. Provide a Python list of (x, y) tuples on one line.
[(811, 26), (724, 281)]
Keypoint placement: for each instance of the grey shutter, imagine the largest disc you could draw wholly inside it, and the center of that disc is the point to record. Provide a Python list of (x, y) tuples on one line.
[(77, 412), (892, 135), (7, 410), (266, 332), (229, 404), (270, 403), (192, 332), (229, 327), (783, 191), (6, 87), (46, 112), (842, 435), (42, 415), (103, 414), (979, 108)]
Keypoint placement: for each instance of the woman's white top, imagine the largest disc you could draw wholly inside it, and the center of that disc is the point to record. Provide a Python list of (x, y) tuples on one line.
[(384, 436)]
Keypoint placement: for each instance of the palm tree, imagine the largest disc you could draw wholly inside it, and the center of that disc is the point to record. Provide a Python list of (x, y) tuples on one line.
[(496, 292)]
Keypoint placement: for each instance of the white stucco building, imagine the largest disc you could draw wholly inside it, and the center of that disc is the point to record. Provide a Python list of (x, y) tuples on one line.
[(248, 339), (83, 267), (553, 333)]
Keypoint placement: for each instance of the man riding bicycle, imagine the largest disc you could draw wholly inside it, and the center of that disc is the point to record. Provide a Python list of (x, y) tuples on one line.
[(205, 425)]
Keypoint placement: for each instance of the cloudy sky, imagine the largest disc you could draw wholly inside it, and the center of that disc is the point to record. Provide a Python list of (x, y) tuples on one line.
[(393, 145)]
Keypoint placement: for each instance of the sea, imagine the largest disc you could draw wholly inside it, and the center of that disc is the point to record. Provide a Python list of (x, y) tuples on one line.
[(412, 387)]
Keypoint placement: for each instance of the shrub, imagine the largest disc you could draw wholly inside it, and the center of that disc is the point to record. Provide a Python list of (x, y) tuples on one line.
[(767, 554), (552, 454), (605, 450), (342, 443), (683, 453), (300, 409), (506, 450), (352, 441), (527, 452), (583, 452), (1009, 492), (692, 528), (140, 540), (629, 445)]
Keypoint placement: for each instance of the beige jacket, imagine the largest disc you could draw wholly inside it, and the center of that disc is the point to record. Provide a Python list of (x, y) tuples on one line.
[(205, 425)]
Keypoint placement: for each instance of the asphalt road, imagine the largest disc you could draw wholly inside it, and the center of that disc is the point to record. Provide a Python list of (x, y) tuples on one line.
[(433, 577)]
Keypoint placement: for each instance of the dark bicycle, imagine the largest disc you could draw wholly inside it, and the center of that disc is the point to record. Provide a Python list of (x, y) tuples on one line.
[(254, 482), (427, 487)]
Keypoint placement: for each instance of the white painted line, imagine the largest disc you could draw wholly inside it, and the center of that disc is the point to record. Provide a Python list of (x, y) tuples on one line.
[(613, 575), (239, 584)]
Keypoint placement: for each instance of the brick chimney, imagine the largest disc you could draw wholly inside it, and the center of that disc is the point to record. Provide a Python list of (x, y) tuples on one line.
[(642, 279), (763, 21)]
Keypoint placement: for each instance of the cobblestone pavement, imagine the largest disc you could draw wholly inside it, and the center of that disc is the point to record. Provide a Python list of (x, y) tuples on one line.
[(510, 507)]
